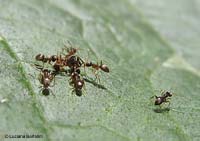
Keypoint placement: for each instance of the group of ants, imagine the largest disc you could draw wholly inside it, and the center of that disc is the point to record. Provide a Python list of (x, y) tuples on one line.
[(70, 64)]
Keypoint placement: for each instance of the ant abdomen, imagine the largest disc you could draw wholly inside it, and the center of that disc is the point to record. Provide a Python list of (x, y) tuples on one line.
[(88, 64), (45, 91), (104, 68), (164, 98)]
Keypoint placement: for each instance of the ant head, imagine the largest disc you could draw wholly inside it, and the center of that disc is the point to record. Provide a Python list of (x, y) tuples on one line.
[(168, 93), (46, 71), (45, 92)]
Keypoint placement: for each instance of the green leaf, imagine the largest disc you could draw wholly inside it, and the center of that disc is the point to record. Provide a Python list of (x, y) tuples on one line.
[(141, 61)]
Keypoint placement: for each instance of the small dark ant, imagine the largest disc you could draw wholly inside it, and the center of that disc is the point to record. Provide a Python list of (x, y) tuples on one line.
[(163, 98), (46, 77), (45, 59), (77, 82), (102, 66)]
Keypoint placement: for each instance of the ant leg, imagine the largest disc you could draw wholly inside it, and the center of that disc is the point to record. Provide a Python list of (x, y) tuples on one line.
[(52, 92), (168, 104), (72, 91), (40, 91), (84, 88), (69, 43), (101, 63), (153, 96), (81, 60), (39, 67), (97, 78), (31, 75), (84, 62), (54, 82), (162, 92)]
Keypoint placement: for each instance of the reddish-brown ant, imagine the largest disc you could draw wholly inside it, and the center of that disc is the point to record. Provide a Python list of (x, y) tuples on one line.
[(45, 77), (97, 67), (163, 98), (70, 50), (102, 66), (57, 59)]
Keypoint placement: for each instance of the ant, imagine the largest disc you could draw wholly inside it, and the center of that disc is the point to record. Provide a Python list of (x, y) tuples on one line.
[(163, 98), (70, 50), (74, 62), (102, 66), (76, 81), (59, 64), (58, 60), (45, 77), (45, 59)]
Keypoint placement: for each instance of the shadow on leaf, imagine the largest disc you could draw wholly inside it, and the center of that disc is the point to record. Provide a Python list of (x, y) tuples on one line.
[(95, 84), (161, 110)]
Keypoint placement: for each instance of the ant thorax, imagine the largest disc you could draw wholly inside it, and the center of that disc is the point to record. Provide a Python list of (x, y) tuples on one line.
[(47, 82)]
